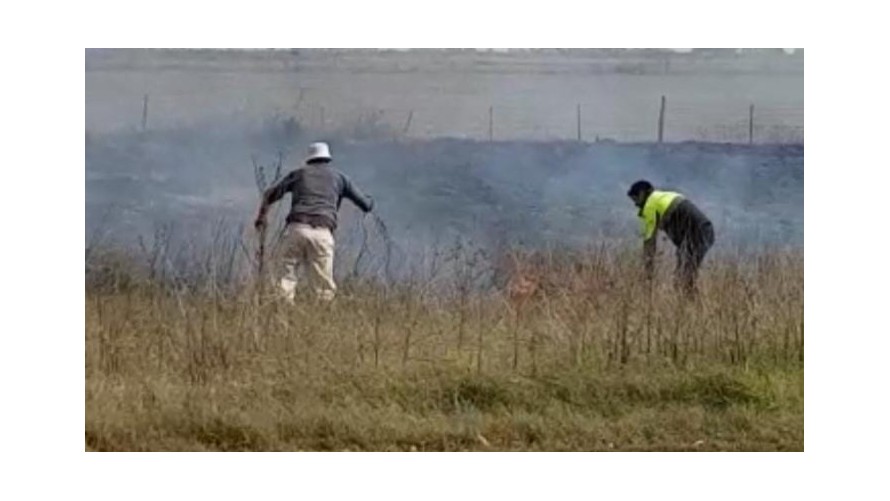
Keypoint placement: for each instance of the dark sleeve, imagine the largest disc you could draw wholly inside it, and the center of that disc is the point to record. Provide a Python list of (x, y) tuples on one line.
[(352, 192), (277, 191)]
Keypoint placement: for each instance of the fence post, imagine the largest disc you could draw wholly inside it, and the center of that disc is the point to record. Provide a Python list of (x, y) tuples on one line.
[(407, 123), (491, 123), (579, 122), (299, 102), (661, 120), (751, 125), (144, 111)]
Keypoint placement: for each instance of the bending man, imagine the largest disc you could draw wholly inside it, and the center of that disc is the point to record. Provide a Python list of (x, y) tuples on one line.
[(687, 227), (308, 241)]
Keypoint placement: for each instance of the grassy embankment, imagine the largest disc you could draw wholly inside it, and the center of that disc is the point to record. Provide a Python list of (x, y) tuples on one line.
[(587, 361)]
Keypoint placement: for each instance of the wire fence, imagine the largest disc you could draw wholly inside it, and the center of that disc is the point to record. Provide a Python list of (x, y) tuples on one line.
[(753, 124), (641, 121)]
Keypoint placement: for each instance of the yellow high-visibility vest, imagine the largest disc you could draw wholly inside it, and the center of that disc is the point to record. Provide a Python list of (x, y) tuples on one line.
[(653, 211)]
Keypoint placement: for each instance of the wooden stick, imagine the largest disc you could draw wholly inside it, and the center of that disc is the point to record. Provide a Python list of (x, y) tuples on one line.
[(261, 252)]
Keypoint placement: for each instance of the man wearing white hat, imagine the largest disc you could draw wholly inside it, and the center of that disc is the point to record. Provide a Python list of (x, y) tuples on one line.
[(316, 192)]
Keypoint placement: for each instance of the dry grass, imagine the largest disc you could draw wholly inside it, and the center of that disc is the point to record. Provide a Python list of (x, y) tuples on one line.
[(572, 352)]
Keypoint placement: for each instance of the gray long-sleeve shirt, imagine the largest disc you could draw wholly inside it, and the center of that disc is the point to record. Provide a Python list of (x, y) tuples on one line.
[(316, 192)]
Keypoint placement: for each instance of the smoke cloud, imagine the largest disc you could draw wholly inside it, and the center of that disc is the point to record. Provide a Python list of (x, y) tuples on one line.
[(432, 193)]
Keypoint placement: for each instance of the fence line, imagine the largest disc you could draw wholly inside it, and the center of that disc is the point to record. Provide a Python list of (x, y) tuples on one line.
[(673, 123)]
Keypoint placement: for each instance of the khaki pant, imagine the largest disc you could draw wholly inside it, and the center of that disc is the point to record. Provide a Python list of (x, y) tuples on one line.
[(309, 250)]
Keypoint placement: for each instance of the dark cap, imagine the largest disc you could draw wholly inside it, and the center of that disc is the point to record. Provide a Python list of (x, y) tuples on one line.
[(640, 186)]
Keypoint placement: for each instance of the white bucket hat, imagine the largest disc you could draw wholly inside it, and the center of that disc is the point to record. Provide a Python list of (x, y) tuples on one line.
[(318, 151)]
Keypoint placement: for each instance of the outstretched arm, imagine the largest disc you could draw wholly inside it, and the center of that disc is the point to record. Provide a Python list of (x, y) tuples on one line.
[(649, 249), (351, 191), (650, 245), (271, 196)]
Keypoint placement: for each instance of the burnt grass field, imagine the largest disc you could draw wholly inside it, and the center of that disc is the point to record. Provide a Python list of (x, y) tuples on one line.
[(430, 344)]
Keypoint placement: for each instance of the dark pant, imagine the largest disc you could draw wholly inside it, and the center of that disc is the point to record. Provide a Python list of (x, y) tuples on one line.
[(690, 254)]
